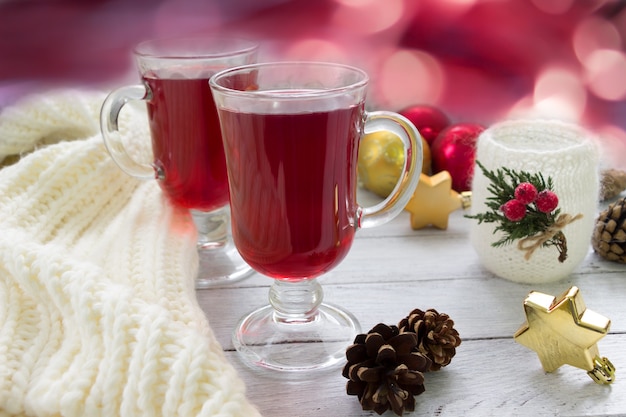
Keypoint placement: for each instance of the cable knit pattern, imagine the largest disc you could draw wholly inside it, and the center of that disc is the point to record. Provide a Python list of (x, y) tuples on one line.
[(560, 150), (98, 315)]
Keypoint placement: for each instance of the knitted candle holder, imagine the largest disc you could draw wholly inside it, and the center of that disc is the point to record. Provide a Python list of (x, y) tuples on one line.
[(561, 151)]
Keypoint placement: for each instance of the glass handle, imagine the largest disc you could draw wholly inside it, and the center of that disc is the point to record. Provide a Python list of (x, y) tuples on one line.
[(109, 115), (395, 202)]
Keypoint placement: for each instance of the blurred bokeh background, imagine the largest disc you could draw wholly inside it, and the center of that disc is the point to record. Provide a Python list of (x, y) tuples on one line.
[(478, 60)]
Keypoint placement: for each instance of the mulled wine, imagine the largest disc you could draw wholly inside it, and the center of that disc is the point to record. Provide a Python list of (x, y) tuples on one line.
[(187, 142), (293, 182)]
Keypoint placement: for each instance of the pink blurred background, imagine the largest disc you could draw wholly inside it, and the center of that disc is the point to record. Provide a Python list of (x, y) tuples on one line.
[(478, 60)]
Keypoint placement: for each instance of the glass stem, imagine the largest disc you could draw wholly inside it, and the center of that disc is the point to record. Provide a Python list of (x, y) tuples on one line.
[(296, 301), (212, 227)]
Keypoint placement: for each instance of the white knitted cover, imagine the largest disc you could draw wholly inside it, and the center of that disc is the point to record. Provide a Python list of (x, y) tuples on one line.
[(98, 315), (563, 151)]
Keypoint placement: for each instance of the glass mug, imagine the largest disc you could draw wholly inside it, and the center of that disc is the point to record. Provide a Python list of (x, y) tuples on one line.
[(187, 145), (291, 140)]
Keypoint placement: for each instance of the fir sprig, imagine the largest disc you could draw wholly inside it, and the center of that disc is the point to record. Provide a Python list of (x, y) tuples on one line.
[(536, 225), (502, 189)]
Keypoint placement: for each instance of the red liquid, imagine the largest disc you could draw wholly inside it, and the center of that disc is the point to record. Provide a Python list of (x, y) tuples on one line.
[(187, 142), (293, 188)]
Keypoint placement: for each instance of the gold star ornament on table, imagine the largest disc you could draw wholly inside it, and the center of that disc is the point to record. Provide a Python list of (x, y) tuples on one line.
[(562, 331), (434, 200)]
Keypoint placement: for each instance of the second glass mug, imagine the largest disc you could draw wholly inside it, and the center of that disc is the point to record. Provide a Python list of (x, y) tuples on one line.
[(186, 140), (291, 138)]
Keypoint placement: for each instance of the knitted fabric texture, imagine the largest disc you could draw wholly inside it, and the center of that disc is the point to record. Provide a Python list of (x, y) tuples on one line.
[(555, 149), (98, 315)]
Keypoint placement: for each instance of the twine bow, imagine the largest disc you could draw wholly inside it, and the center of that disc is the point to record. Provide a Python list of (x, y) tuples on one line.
[(552, 235)]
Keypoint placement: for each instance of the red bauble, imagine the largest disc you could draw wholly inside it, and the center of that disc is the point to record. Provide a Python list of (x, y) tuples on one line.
[(454, 150), (428, 120)]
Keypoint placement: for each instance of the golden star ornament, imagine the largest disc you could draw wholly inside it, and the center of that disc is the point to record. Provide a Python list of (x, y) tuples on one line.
[(562, 331), (434, 200)]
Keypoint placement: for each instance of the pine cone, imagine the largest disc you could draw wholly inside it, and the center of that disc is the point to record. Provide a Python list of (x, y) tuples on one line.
[(436, 336), (612, 183), (609, 235), (385, 370)]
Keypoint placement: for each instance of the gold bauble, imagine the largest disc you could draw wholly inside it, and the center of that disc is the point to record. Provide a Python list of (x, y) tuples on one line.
[(380, 162)]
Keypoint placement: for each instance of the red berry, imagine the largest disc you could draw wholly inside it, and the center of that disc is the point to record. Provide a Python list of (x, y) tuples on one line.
[(514, 210), (546, 201), (525, 193)]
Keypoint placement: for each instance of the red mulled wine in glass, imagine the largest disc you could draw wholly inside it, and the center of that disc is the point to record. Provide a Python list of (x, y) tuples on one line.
[(291, 142), (187, 145)]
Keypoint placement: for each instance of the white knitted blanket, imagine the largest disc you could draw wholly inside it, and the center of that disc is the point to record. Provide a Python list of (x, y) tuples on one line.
[(98, 315)]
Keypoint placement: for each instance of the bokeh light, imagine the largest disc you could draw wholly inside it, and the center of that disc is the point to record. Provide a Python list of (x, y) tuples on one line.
[(407, 77), (559, 93), (368, 16), (606, 74), (478, 60), (592, 34)]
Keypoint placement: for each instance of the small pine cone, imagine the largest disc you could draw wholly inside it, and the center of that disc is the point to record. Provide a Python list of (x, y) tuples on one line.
[(436, 336), (385, 370), (609, 235), (612, 183)]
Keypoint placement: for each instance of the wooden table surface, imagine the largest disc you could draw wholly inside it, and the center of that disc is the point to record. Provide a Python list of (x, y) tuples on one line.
[(393, 269)]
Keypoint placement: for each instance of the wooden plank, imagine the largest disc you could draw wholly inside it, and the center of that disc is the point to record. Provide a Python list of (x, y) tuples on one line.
[(416, 255), (393, 269), (480, 307), (486, 378)]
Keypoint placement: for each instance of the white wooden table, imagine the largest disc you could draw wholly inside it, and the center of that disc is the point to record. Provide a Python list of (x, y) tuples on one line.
[(394, 269)]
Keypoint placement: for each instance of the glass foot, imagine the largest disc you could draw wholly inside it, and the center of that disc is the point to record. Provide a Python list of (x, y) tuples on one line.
[(316, 340), (221, 265), (220, 262)]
